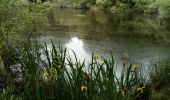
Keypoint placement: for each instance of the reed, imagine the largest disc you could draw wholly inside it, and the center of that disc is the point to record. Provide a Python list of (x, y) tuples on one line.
[(55, 75)]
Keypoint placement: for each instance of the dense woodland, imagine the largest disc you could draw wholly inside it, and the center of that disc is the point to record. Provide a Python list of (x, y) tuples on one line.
[(24, 75)]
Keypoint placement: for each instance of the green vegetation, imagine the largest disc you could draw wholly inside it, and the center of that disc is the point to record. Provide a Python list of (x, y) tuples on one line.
[(16, 22), (161, 7), (160, 79), (43, 74), (58, 77)]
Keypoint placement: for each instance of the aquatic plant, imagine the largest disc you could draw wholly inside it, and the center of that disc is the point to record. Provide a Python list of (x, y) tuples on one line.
[(53, 74), (58, 76)]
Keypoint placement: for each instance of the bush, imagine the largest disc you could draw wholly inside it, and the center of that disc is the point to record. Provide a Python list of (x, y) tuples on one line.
[(17, 21), (104, 3), (164, 8), (161, 7)]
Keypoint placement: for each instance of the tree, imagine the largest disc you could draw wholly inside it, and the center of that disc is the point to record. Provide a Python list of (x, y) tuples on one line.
[(16, 21)]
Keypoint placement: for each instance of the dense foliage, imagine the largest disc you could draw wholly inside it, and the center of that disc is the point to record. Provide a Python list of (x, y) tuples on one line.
[(18, 21), (152, 6)]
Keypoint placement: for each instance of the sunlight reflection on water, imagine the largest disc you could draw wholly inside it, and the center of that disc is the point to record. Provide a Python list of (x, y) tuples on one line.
[(77, 45)]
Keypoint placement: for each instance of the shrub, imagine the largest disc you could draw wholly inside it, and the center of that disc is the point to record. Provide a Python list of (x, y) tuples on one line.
[(16, 21), (104, 3)]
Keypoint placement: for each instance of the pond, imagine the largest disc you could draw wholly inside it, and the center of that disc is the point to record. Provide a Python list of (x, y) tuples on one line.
[(125, 34)]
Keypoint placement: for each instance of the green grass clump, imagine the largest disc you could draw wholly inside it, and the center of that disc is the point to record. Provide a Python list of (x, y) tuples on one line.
[(160, 79), (53, 74)]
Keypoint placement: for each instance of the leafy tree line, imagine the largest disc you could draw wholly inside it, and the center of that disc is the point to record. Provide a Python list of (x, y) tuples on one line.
[(152, 6)]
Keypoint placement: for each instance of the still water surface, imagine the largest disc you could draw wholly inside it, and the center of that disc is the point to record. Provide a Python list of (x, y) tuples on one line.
[(126, 35)]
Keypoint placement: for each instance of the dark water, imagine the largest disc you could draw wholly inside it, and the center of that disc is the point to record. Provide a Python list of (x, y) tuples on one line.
[(127, 35)]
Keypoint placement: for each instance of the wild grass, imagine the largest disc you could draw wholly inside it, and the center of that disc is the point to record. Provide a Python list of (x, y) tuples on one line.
[(53, 74), (160, 77)]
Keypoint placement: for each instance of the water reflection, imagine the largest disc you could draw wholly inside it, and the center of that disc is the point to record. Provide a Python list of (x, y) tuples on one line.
[(77, 45), (123, 34), (107, 26)]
